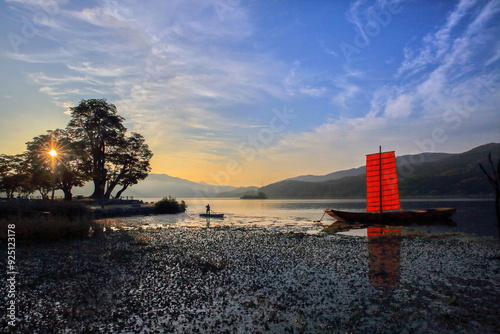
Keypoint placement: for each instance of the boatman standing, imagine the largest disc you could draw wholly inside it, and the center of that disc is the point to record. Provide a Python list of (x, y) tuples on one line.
[(208, 209)]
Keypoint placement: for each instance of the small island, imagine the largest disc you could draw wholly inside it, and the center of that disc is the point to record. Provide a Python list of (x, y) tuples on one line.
[(254, 195)]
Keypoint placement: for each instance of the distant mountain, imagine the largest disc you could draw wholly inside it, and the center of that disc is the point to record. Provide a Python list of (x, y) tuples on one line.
[(419, 175), (401, 161), (329, 177), (161, 185)]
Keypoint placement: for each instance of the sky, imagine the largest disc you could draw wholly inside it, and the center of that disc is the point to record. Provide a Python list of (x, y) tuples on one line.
[(250, 92)]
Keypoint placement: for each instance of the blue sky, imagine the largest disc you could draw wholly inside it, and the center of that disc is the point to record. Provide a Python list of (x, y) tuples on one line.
[(236, 92)]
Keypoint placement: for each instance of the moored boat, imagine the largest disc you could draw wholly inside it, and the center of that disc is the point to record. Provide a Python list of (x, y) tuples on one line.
[(382, 194), (441, 215)]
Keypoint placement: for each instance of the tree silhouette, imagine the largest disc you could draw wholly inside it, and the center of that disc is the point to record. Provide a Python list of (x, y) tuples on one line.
[(98, 129), (494, 179), (14, 177), (113, 158)]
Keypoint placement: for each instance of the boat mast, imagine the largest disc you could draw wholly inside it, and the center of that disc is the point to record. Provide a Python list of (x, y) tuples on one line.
[(380, 176)]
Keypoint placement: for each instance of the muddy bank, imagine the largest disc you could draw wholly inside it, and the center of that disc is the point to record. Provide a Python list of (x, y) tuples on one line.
[(250, 280)]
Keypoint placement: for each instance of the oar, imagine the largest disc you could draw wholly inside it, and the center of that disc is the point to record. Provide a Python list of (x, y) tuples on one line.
[(317, 221)]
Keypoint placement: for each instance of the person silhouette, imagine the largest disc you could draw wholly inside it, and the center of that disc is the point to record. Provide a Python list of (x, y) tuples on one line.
[(208, 209)]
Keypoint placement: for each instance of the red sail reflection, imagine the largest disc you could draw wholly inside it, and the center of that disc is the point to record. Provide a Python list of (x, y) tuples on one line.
[(384, 248)]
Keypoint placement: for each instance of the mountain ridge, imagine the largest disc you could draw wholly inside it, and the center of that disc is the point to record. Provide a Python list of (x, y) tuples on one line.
[(449, 175)]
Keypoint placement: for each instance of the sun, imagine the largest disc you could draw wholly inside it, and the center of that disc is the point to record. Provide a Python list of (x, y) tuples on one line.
[(53, 153)]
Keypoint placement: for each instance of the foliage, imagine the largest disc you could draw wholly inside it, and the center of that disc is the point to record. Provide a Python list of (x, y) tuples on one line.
[(13, 175), (170, 205)]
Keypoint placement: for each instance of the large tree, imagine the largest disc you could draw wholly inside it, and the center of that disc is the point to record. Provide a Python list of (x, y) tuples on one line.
[(114, 158), (98, 130)]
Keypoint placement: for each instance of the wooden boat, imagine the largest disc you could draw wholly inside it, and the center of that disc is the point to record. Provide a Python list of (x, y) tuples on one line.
[(212, 215), (382, 194), (441, 215)]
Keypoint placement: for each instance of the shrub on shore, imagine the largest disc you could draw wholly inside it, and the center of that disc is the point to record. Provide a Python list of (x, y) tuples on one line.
[(169, 205)]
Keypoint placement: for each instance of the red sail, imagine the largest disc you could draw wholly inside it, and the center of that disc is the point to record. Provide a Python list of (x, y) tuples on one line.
[(381, 172)]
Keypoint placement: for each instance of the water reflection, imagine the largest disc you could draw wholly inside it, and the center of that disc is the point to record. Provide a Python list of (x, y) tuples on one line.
[(384, 250)]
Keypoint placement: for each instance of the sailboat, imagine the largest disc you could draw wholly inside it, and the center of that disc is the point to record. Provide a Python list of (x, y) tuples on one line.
[(382, 197)]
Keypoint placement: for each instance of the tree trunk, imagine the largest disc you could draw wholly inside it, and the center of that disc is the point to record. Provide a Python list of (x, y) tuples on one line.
[(99, 185), (114, 183), (68, 196), (98, 189), (119, 193)]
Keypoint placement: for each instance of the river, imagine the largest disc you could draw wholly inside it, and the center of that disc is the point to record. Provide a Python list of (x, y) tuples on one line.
[(473, 216)]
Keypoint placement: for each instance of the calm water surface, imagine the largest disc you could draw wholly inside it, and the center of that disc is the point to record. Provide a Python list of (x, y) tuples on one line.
[(476, 217)]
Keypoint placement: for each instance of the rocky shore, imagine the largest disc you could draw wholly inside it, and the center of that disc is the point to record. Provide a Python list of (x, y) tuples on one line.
[(254, 280)]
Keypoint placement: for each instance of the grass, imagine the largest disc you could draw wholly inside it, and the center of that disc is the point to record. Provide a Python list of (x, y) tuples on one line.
[(44, 229), (45, 221)]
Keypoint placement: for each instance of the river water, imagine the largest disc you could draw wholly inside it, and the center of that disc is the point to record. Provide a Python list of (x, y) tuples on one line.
[(473, 216)]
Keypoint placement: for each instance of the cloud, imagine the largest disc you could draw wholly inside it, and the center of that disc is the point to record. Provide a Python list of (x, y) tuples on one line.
[(443, 46), (101, 16), (41, 78), (400, 107), (348, 91), (92, 69), (313, 92)]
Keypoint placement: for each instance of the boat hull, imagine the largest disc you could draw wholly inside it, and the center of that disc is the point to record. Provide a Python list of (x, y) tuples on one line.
[(211, 215), (429, 216)]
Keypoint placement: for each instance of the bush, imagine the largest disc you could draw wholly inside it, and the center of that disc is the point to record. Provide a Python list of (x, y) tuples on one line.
[(170, 205)]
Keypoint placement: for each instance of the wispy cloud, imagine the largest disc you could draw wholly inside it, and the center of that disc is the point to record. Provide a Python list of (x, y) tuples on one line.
[(443, 44)]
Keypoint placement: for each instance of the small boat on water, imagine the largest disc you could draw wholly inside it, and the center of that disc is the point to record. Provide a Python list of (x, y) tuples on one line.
[(382, 194), (212, 215)]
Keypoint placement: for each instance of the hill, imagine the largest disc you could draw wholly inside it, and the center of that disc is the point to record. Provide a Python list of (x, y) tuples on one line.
[(454, 175), (401, 161)]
